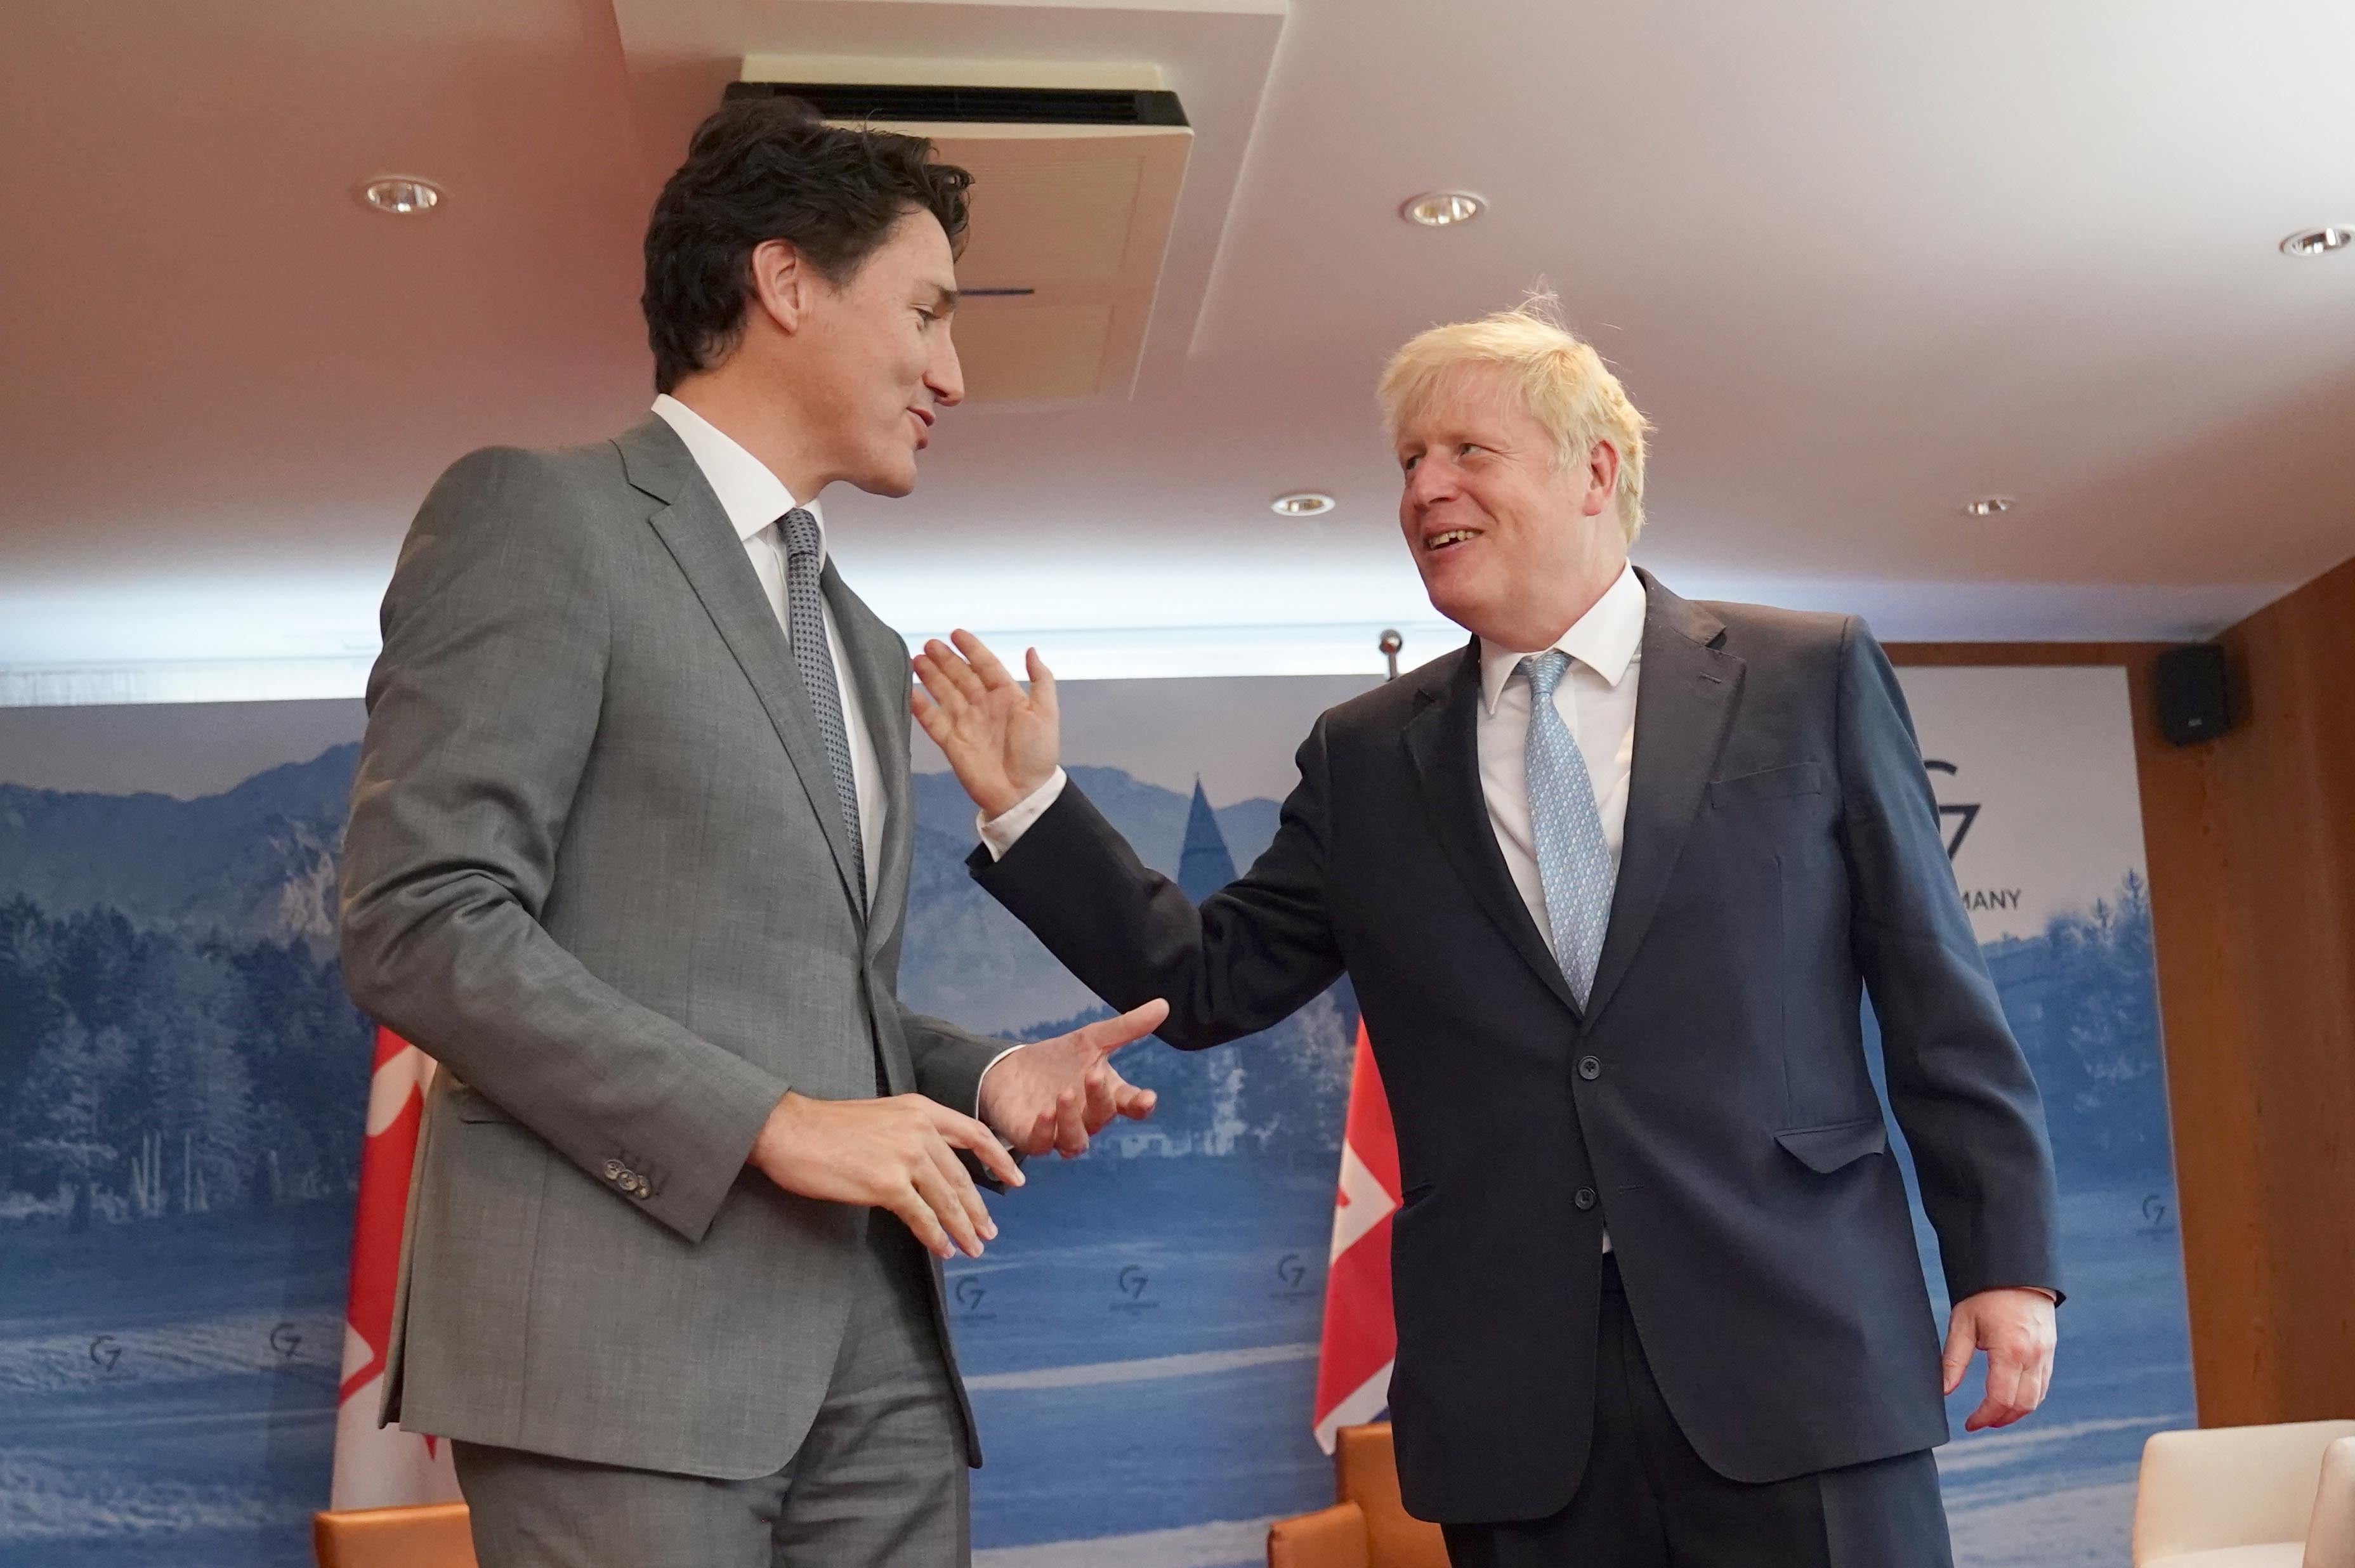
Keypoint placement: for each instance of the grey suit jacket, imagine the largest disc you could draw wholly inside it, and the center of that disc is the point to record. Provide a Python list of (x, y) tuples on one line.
[(597, 869)]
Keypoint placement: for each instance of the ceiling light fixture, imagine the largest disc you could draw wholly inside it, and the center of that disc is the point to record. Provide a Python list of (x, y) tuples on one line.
[(1302, 504), (1987, 506), (404, 196), (1440, 208), (2319, 242)]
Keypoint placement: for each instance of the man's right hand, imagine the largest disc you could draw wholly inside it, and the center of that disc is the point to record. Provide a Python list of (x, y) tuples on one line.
[(897, 1154), (1002, 741)]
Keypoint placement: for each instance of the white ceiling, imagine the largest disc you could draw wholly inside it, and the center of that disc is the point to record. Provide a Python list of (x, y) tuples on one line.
[(1860, 262)]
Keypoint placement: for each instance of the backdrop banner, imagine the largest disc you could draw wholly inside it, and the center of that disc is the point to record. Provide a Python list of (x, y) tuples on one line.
[(185, 1103)]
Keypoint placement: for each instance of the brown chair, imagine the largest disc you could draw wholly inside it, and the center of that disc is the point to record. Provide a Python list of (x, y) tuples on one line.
[(431, 1535), (1368, 1528)]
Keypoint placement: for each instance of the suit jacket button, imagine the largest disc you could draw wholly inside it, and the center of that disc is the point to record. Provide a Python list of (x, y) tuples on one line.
[(1590, 1068), (1583, 1198), (612, 1170)]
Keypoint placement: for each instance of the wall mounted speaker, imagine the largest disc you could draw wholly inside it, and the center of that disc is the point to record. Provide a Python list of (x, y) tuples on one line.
[(2194, 698)]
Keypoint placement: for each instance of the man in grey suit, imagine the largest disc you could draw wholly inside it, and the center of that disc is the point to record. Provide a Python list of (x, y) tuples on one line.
[(629, 855)]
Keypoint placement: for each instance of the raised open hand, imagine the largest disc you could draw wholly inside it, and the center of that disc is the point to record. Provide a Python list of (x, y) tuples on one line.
[(1002, 741), (1058, 1093)]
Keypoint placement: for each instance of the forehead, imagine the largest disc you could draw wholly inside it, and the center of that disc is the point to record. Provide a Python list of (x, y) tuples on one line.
[(1473, 396), (917, 252)]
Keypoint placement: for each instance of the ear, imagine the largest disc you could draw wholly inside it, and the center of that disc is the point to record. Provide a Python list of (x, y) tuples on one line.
[(1601, 478), (781, 281)]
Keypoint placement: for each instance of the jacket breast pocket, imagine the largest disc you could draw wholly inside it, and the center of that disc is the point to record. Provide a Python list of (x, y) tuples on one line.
[(1837, 1146), (1767, 783)]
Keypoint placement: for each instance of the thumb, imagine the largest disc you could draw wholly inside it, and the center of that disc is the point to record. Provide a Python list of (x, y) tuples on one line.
[(1042, 681), (1129, 1027), (1962, 1340)]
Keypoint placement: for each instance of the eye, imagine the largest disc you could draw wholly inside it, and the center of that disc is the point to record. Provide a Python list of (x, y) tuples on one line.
[(1408, 463), (1469, 447)]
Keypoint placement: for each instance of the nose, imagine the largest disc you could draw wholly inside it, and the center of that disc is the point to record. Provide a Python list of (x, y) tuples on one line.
[(1433, 479), (945, 376)]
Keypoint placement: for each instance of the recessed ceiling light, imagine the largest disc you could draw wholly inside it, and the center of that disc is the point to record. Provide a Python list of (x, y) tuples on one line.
[(401, 195), (1988, 506), (1439, 208), (2319, 242), (1302, 504)]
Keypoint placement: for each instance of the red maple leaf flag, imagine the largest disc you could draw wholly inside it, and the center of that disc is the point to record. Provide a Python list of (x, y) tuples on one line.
[(383, 1466), (1353, 1366)]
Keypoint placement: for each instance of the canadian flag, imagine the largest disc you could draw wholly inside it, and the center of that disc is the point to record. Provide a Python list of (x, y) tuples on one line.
[(383, 1466), (1353, 1366)]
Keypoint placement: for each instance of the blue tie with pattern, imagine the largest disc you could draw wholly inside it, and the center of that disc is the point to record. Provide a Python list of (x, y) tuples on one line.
[(1573, 861), (805, 616)]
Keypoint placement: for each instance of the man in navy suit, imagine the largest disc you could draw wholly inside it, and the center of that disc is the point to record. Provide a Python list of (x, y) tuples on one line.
[(1610, 881)]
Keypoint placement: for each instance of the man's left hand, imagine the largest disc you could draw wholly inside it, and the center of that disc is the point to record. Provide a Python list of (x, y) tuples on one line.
[(1058, 1093), (2016, 1328)]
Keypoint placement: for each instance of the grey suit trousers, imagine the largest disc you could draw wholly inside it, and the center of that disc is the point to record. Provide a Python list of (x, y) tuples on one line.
[(880, 1482)]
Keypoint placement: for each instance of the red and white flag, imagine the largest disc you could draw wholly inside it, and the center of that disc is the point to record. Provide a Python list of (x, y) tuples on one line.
[(383, 1466), (1353, 1367)]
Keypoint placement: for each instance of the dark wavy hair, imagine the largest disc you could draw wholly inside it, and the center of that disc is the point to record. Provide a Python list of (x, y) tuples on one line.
[(770, 168)]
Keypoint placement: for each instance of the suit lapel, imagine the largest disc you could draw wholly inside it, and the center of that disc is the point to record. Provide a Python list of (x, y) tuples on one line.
[(696, 530), (1683, 708), (1440, 742), (879, 670)]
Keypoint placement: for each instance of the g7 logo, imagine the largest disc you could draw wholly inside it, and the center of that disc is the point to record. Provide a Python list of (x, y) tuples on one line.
[(1964, 815)]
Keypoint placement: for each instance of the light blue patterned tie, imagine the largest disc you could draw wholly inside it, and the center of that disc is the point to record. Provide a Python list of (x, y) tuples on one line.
[(1573, 861), (805, 616)]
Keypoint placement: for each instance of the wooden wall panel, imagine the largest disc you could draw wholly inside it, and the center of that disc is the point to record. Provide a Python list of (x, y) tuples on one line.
[(2250, 841)]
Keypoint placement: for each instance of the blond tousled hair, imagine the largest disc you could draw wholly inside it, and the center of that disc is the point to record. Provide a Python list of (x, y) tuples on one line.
[(1562, 381)]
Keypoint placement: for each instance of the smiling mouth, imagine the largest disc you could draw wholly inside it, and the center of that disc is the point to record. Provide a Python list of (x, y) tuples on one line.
[(1448, 538)]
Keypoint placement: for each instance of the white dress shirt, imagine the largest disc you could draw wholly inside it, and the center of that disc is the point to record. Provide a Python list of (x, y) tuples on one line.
[(1597, 700), (754, 500)]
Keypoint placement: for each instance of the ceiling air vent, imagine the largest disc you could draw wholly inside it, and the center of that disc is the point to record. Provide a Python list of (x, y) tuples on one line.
[(1074, 188)]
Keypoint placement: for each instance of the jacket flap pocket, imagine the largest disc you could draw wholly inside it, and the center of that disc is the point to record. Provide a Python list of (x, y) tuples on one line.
[(1769, 784), (470, 1105), (1827, 1149)]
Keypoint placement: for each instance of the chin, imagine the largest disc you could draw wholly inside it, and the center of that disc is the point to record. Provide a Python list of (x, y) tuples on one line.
[(890, 479)]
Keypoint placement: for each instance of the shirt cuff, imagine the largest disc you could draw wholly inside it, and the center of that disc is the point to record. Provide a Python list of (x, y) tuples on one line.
[(985, 1075), (999, 832)]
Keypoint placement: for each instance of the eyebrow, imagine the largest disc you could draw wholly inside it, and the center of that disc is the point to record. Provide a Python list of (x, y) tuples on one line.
[(945, 300)]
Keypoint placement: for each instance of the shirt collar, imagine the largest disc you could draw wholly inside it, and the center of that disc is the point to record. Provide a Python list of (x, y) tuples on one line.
[(1607, 639), (752, 496)]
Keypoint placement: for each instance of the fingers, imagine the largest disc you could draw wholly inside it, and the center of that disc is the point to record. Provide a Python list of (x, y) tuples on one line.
[(944, 1186), (1071, 1125), (2020, 1367), (1111, 1034), (937, 667), (985, 663), (1136, 1104), (955, 671), (968, 1134), (1962, 1338), (920, 1218)]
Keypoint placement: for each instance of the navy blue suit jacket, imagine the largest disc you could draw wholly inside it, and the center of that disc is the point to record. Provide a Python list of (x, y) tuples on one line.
[(1710, 1104)]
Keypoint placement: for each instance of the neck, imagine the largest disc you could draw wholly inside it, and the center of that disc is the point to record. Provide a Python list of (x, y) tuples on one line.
[(1536, 623), (762, 420)]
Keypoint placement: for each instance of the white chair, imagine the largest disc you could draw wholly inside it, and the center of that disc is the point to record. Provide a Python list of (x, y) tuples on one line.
[(2248, 1497)]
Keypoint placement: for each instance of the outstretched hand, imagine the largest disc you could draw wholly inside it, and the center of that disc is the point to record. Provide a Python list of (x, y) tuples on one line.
[(1002, 741), (1058, 1093)]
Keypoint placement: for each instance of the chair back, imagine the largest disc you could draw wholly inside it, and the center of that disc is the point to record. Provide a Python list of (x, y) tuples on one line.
[(2330, 1534), (431, 1535), (1365, 1467), (2229, 1485)]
